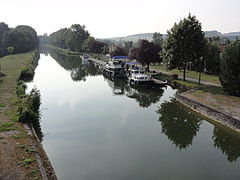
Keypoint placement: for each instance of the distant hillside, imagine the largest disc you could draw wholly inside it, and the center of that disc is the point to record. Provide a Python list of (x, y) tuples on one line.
[(212, 34), (148, 36), (134, 38)]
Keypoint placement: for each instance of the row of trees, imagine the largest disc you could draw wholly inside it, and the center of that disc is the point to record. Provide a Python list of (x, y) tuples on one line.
[(186, 44), (17, 40), (75, 38)]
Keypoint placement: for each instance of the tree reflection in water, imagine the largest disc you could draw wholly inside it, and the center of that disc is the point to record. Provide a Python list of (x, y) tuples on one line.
[(178, 123), (228, 142), (79, 71), (37, 127)]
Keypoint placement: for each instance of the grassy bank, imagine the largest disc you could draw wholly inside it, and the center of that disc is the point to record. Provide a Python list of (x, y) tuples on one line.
[(190, 74), (63, 51), (15, 143)]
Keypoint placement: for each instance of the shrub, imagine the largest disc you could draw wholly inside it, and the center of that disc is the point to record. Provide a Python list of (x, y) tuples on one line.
[(230, 69)]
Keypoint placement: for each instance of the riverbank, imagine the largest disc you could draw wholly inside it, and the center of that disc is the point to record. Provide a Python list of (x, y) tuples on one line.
[(215, 104), (21, 155)]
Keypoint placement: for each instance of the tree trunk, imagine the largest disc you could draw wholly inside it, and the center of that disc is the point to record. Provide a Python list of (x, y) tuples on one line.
[(147, 67), (199, 78), (184, 71)]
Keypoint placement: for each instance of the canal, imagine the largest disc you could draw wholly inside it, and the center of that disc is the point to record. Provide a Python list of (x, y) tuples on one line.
[(95, 128)]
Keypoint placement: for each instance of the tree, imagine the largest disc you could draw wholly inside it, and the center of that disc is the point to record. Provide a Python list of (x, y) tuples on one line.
[(185, 43), (127, 46), (21, 38), (91, 45), (88, 44), (148, 53), (134, 53), (212, 60), (230, 69), (3, 29), (70, 38), (119, 51), (157, 38), (10, 50)]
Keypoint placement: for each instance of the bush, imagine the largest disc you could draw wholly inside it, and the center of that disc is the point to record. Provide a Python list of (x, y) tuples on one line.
[(28, 106), (230, 69), (26, 74)]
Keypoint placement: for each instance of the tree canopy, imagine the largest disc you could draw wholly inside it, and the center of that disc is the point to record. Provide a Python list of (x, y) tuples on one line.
[(20, 39), (70, 38), (230, 69), (157, 38), (93, 46), (119, 51), (147, 52), (185, 43)]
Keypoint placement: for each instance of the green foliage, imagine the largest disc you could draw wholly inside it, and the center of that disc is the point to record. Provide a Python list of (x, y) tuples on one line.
[(147, 52), (21, 38), (7, 126), (127, 46), (119, 51), (212, 65), (185, 43), (28, 160), (27, 73), (230, 69), (10, 50), (157, 38), (90, 45), (28, 106), (69, 38)]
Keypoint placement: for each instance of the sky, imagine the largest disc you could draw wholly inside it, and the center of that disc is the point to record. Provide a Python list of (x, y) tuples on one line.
[(118, 18)]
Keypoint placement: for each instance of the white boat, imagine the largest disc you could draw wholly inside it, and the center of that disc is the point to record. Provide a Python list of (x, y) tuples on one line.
[(115, 68), (85, 59), (138, 77)]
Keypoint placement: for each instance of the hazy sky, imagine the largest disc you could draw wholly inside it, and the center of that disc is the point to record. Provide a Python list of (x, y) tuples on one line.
[(112, 18)]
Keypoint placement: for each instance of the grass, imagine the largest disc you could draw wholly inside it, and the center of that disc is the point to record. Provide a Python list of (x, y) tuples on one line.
[(190, 74), (19, 136), (28, 160), (7, 126), (188, 84), (11, 66), (2, 105)]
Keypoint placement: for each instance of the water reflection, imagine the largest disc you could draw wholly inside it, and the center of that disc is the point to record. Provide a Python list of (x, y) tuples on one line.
[(178, 124), (144, 96), (118, 86), (79, 71), (227, 142), (37, 127)]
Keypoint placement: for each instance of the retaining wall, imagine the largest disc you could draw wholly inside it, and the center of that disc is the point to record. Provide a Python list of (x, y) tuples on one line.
[(221, 117)]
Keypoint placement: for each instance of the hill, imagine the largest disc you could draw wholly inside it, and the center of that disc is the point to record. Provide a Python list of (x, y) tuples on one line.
[(148, 36)]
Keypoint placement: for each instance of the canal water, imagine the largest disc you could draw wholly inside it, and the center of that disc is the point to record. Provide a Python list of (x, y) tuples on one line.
[(95, 128)]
